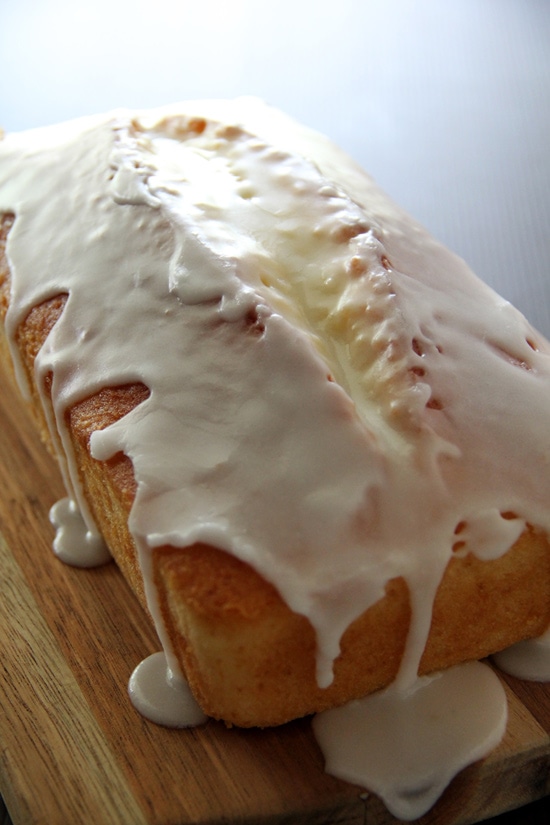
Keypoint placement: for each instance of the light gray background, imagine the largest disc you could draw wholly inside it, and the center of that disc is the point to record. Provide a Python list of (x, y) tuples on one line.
[(445, 102)]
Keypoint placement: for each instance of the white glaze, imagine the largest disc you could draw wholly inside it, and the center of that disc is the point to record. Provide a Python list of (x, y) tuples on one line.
[(407, 746), (232, 269), (74, 543), (162, 696), (527, 660)]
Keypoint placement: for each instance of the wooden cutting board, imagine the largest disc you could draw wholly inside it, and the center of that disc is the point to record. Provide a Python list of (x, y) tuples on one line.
[(73, 750)]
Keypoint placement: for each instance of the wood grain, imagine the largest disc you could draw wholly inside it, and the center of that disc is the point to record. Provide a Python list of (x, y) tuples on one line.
[(74, 750)]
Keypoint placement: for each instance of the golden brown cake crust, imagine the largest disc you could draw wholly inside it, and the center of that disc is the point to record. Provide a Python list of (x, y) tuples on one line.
[(249, 659)]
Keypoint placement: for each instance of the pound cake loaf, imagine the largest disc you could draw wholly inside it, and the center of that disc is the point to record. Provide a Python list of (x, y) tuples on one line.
[(316, 445)]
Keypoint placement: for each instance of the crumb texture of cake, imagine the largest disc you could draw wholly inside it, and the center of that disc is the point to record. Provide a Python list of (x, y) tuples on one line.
[(315, 443)]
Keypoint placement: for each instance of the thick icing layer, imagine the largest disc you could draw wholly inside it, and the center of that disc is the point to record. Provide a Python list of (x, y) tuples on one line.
[(308, 347)]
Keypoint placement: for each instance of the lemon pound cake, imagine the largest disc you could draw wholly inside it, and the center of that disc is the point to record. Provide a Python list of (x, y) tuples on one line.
[(316, 445)]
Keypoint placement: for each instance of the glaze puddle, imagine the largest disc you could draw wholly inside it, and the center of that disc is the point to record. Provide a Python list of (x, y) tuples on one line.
[(406, 746), (163, 697), (74, 543)]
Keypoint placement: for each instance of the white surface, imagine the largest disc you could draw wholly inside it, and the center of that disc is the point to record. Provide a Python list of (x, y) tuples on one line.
[(445, 102)]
